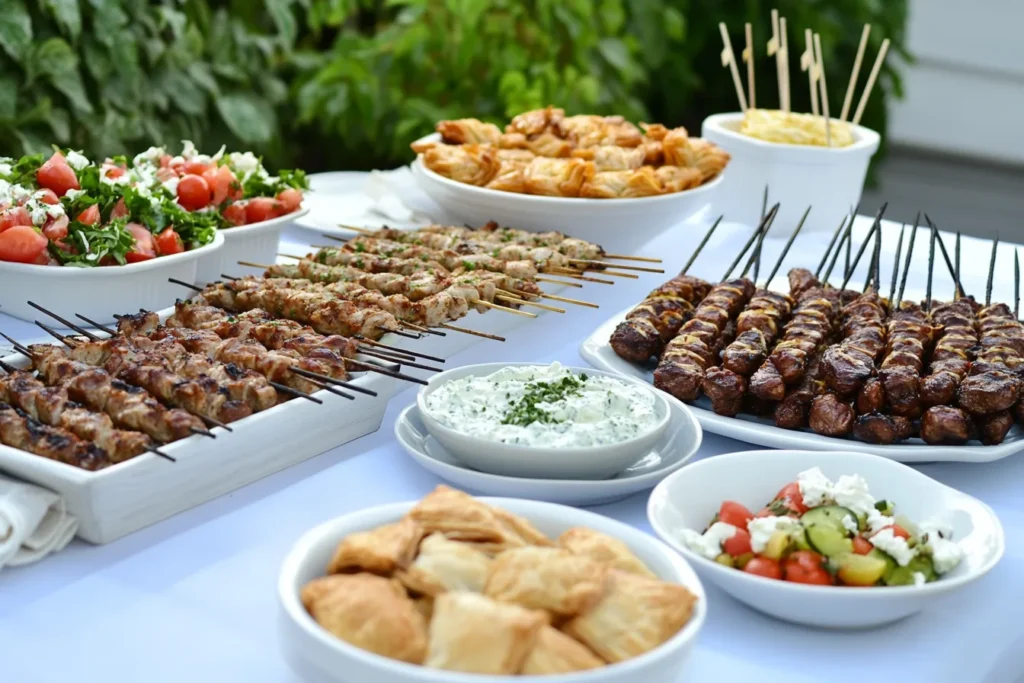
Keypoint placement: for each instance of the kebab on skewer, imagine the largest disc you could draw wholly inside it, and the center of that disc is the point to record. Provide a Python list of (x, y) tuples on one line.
[(21, 431)]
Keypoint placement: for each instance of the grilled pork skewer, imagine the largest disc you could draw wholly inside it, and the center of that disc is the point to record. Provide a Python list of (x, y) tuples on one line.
[(51, 406), (21, 431)]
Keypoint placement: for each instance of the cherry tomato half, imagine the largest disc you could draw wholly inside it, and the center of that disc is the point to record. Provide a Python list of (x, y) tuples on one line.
[(290, 199), (861, 545), (22, 244), (260, 209), (169, 242), (234, 213), (144, 248), (90, 216), (48, 197), (222, 183), (57, 228), (762, 566), (733, 513), (738, 544), (16, 215), (119, 210), (806, 566), (194, 192), (56, 175), (792, 498), (195, 167)]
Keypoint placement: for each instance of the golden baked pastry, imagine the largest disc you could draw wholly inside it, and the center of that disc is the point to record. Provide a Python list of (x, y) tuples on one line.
[(535, 122), (676, 147), (468, 131), (678, 178), (640, 182), (445, 565), (636, 614), (474, 634), (381, 550), (370, 612), (603, 548), (546, 578), (612, 158), (593, 131), (557, 177), (708, 158), (557, 653), (548, 145), (471, 164), (461, 517), (654, 131), (522, 528)]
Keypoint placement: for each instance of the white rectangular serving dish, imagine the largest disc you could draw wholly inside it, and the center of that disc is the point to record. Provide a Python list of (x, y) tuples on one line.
[(99, 292), (256, 243), (762, 431), (126, 497)]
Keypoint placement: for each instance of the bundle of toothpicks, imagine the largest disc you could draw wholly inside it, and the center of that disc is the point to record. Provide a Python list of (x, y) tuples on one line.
[(810, 61)]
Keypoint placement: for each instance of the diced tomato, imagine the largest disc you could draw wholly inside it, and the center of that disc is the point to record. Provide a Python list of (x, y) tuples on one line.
[(222, 183), (861, 545), (165, 174), (22, 244), (234, 213), (762, 566), (734, 513), (119, 210), (169, 242), (57, 228), (16, 215), (291, 200), (90, 216), (738, 544), (196, 167), (55, 174), (144, 248), (165, 160), (194, 192), (260, 209), (49, 197), (44, 259), (792, 498), (113, 171), (897, 531), (806, 566)]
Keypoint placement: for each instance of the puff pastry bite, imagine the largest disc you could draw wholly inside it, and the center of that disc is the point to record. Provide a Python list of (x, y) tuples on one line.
[(510, 178), (521, 527), (474, 634), (654, 153), (612, 158), (708, 158), (471, 164), (370, 612), (547, 578), (381, 550), (445, 565), (461, 517), (640, 182), (589, 130), (557, 177), (515, 156), (676, 146), (548, 145), (512, 141), (603, 548), (536, 121), (468, 131), (557, 653), (678, 178), (654, 131), (636, 615)]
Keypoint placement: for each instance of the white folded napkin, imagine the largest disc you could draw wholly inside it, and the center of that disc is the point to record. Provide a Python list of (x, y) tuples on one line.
[(383, 187), (33, 523)]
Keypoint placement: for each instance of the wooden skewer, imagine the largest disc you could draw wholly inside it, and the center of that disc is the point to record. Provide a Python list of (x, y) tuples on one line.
[(554, 281), (297, 258), (876, 226), (945, 255), (506, 309), (729, 60), (519, 302), (956, 256), (832, 242), (475, 333), (848, 100), (877, 67), (704, 240), (353, 228), (785, 249), (784, 59), (285, 389), (1016, 284), (326, 379), (401, 361), (931, 269), (748, 57), (615, 273), (750, 242), (565, 272), (641, 269), (809, 64), (371, 367), (421, 328), (250, 264), (620, 257), (824, 90), (563, 299)]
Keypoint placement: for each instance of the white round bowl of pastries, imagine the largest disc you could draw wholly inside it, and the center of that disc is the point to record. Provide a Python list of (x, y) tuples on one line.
[(599, 178), (456, 589)]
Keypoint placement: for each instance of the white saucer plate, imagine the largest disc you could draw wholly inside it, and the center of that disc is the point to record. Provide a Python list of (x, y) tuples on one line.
[(678, 445), (762, 431)]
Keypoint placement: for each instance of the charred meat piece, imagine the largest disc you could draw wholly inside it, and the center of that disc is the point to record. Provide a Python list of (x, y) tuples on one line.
[(953, 353), (831, 416), (993, 383), (945, 425), (20, 431), (800, 280), (992, 428), (725, 388), (871, 397), (766, 384), (758, 327), (649, 326), (881, 429), (910, 336), (990, 391), (848, 364), (806, 332)]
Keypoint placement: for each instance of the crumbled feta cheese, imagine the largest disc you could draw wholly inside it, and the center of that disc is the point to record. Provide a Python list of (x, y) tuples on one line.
[(920, 579), (20, 193), (937, 538), (74, 194), (123, 179), (851, 491), (851, 524), (220, 153), (877, 521), (762, 528), (244, 162), (709, 544), (5, 168), (172, 185), (934, 526), (150, 156), (37, 210), (896, 547), (77, 160), (176, 161), (815, 487), (188, 150)]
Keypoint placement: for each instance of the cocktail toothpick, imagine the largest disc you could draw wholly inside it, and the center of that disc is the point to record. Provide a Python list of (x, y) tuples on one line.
[(729, 60), (875, 69), (784, 59), (809, 64), (824, 90), (748, 57), (848, 100), (773, 51)]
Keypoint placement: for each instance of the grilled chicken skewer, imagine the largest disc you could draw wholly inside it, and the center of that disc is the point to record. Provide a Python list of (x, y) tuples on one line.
[(464, 252), (21, 431), (374, 257)]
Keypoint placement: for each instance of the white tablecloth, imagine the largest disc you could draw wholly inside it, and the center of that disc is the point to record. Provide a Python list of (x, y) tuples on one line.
[(194, 598)]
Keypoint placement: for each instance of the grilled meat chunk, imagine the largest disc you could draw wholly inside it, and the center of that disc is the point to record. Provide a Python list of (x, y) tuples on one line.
[(945, 425), (830, 415)]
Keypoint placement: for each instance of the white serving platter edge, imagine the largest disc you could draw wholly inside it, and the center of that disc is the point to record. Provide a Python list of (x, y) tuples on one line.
[(762, 432), (126, 497)]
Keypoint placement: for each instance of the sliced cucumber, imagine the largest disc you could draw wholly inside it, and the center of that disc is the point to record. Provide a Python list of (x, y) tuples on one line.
[(799, 537), (904, 576), (885, 507), (829, 516), (860, 570), (828, 540)]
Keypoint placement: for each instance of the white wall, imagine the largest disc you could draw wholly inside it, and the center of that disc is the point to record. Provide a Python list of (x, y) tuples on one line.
[(965, 94)]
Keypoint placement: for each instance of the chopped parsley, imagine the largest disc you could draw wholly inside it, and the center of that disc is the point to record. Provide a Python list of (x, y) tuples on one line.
[(527, 409)]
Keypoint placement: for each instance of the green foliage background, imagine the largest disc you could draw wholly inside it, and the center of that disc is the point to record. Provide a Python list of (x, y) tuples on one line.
[(347, 84)]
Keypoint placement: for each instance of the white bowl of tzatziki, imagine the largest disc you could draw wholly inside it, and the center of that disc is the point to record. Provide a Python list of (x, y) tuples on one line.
[(543, 421)]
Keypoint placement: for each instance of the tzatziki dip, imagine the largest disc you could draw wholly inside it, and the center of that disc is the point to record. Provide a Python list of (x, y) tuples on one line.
[(548, 406)]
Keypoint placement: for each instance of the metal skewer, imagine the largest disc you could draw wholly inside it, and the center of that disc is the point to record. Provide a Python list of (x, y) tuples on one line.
[(931, 269), (700, 247), (749, 242), (828, 250), (906, 264), (785, 249), (896, 265), (991, 271), (876, 226)]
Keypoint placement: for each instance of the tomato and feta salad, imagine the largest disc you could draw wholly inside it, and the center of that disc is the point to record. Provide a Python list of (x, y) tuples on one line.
[(826, 533), (65, 209)]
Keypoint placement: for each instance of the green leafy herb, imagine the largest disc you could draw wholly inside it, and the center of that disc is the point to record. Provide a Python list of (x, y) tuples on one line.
[(94, 245), (527, 410)]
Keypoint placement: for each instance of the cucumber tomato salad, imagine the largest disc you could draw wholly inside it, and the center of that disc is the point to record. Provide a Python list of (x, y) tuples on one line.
[(820, 532), (68, 210)]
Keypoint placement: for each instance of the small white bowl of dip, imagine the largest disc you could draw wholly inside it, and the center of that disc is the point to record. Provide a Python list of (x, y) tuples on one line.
[(543, 422)]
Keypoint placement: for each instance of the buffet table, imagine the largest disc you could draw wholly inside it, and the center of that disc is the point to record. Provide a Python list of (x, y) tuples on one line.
[(194, 598)]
